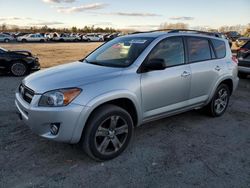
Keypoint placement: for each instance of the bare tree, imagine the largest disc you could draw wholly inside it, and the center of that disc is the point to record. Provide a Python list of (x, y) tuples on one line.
[(173, 26), (3, 27)]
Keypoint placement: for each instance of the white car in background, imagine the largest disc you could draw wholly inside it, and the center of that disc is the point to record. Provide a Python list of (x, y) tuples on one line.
[(6, 38), (94, 38), (32, 38)]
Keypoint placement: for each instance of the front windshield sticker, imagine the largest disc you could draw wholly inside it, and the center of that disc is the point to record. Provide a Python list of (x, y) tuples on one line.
[(137, 41)]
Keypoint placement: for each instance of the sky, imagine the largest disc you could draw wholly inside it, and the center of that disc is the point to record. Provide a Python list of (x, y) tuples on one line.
[(132, 14)]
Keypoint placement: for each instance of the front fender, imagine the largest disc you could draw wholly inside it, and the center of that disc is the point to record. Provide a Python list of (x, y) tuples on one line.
[(99, 100)]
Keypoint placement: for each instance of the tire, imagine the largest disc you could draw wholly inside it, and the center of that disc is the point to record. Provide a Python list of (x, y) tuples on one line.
[(103, 140), (242, 75), (6, 40), (18, 68), (24, 40), (219, 102), (42, 40)]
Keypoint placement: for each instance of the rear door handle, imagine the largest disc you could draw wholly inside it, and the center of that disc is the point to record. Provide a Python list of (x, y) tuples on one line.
[(217, 68), (185, 74)]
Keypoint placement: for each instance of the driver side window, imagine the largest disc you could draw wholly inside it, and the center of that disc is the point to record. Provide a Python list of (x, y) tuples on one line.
[(171, 50)]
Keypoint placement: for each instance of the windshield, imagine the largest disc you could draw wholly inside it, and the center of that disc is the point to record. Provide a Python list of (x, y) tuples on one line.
[(120, 52)]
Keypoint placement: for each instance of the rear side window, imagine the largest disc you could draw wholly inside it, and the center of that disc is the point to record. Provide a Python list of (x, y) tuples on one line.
[(220, 48), (198, 49)]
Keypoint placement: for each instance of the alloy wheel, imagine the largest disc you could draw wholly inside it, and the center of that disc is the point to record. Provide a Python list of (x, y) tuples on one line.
[(111, 135), (221, 100)]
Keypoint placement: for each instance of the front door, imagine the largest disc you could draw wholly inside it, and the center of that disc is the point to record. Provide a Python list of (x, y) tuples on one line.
[(166, 90)]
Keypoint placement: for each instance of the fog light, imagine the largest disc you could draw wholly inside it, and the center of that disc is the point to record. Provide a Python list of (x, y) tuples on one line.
[(54, 128)]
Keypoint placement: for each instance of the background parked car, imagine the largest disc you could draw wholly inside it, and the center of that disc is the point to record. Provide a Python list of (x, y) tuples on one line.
[(241, 41), (243, 56), (5, 38), (19, 34), (232, 35), (18, 63), (32, 38), (94, 37), (65, 37), (111, 36)]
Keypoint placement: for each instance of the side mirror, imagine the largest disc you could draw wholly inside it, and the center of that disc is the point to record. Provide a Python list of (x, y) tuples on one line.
[(155, 64)]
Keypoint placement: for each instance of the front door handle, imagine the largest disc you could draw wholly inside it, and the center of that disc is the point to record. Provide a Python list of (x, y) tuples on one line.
[(217, 68), (185, 74)]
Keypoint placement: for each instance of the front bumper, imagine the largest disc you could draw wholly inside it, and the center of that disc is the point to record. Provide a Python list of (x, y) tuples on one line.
[(39, 119)]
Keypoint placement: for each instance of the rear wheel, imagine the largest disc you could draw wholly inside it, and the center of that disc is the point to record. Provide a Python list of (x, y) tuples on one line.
[(24, 40), (18, 68), (108, 132), (219, 102)]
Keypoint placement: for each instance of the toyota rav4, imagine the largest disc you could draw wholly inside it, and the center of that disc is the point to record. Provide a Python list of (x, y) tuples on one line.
[(124, 83)]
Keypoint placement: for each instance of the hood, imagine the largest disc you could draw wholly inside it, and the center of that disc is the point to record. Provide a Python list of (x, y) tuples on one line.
[(69, 75), (24, 52)]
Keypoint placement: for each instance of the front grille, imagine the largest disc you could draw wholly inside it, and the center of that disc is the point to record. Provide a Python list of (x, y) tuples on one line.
[(26, 93)]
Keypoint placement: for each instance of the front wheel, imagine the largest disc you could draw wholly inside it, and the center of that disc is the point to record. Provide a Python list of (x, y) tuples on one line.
[(18, 69), (6, 40), (108, 133), (219, 102)]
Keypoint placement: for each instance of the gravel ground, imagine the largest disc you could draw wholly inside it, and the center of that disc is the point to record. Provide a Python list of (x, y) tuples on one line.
[(187, 150)]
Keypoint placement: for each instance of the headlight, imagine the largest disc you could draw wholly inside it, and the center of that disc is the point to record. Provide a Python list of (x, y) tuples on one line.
[(60, 97)]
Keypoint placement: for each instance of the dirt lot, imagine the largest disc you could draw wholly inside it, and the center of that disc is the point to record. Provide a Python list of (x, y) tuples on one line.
[(188, 150), (51, 54)]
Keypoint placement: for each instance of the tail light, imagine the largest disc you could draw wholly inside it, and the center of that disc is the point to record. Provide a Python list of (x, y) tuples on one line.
[(234, 59), (244, 50)]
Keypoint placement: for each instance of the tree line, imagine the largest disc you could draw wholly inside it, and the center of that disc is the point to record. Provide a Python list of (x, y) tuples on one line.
[(47, 29)]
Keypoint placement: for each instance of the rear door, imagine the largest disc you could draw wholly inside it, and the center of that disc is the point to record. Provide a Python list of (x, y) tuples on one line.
[(166, 90), (205, 67)]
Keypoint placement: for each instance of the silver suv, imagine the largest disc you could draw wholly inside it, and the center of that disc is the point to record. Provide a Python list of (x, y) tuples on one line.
[(124, 83)]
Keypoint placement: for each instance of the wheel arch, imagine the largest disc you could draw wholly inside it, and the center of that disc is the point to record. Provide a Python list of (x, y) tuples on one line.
[(125, 101), (225, 80)]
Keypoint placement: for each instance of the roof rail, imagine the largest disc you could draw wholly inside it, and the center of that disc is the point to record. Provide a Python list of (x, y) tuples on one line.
[(151, 31), (178, 31)]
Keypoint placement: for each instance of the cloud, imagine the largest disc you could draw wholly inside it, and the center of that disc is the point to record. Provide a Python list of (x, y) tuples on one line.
[(10, 18), (103, 24), (135, 14), (47, 23), (82, 8), (143, 26), (182, 18), (26, 20), (59, 1)]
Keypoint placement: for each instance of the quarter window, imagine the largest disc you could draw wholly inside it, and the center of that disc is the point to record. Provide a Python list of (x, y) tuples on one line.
[(220, 48), (198, 49), (171, 50)]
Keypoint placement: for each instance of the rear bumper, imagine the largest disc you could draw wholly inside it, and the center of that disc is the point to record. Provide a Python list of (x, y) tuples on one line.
[(244, 69)]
